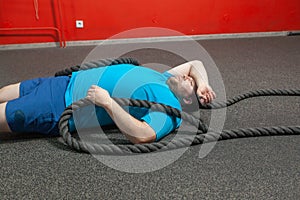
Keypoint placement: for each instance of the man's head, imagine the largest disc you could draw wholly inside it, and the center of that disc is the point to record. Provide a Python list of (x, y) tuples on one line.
[(184, 87)]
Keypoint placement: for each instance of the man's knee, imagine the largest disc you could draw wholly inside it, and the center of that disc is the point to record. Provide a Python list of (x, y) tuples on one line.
[(3, 122), (9, 92)]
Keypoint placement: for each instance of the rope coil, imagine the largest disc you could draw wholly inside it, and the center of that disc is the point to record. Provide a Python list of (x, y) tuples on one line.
[(96, 64), (204, 135), (250, 94)]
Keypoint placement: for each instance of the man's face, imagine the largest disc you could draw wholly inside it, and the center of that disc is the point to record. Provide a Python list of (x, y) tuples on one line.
[(185, 85)]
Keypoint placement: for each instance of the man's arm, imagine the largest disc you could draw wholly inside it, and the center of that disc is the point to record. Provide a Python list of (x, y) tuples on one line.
[(196, 70), (135, 130)]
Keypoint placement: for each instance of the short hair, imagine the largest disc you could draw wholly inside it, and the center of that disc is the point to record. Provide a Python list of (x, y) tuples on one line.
[(194, 106)]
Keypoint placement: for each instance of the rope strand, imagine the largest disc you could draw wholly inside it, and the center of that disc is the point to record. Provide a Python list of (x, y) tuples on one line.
[(205, 135)]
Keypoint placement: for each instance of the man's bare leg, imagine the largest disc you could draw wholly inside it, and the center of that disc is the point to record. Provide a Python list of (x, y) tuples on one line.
[(9, 92), (4, 128)]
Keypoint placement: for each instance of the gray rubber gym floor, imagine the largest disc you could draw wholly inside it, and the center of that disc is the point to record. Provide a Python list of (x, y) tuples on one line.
[(35, 167)]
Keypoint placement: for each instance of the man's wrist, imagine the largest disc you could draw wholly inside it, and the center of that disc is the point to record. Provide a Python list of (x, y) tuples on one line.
[(107, 105)]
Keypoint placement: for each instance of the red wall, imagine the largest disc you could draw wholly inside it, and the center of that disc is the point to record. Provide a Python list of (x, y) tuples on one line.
[(103, 19)]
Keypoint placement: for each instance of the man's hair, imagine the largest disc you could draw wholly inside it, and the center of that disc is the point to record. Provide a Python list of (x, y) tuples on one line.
[(193, 106)]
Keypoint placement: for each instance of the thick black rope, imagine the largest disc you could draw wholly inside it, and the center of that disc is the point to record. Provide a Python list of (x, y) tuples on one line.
[(96, 64), (204, 134), (250, 94)]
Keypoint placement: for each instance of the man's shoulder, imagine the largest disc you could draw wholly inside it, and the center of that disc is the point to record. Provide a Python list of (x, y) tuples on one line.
[(159, 93)]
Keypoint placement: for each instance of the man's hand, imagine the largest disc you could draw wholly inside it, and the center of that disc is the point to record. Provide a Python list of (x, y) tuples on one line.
[(135, 130), (205, 93), (196, 70), (99, 96)]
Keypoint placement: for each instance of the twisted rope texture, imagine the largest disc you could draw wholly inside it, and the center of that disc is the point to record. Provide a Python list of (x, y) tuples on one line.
[(96, 64), (204, 135)]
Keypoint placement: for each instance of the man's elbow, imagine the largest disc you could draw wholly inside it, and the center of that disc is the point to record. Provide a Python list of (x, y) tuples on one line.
[(197, 63), (142, 140)]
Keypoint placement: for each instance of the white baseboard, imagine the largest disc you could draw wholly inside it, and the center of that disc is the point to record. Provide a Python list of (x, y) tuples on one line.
[(146, 40)]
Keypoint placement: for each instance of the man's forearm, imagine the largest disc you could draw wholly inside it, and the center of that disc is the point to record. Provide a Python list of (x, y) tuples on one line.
[(135, 130), (198, 72), (195, 69)]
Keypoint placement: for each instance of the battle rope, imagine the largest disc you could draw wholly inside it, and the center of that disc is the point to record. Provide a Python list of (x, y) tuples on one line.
[(96, 64), (204, 135), (250, 94)]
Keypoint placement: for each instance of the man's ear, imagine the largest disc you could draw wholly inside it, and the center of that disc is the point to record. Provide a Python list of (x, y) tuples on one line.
[(187, 100)]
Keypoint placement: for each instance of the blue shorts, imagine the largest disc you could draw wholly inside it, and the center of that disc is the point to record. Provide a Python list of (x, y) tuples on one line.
[(39, 106)]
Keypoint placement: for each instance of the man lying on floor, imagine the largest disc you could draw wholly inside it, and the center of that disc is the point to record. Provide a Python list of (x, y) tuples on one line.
[(36, 105)]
